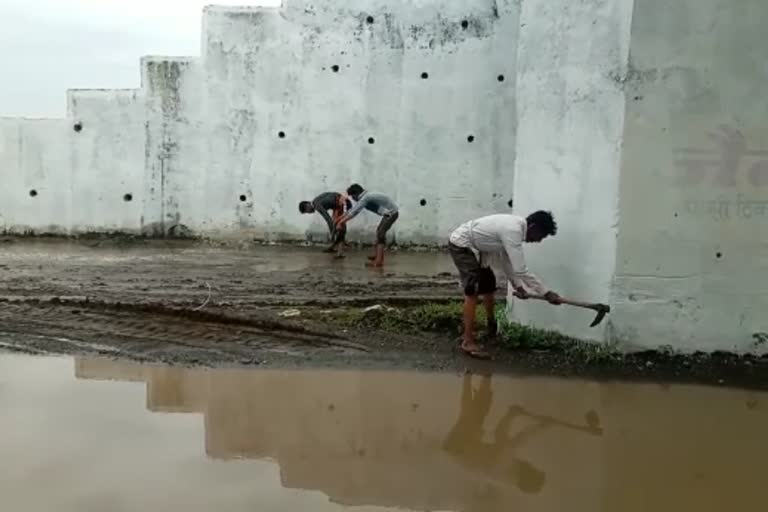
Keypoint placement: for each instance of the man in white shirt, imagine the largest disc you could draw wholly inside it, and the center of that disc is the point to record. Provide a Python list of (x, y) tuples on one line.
[(502, 235)]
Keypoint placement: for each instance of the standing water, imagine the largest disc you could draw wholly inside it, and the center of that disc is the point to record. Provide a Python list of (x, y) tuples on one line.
[(95, 434)]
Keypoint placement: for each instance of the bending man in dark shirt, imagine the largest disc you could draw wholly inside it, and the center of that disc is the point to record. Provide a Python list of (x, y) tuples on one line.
[(338, 204)]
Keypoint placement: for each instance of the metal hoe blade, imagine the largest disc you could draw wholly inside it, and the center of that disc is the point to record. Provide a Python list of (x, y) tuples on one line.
[(602, 310)]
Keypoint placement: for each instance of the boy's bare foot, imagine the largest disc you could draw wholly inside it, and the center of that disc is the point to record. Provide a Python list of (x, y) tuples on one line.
[(474, 350)]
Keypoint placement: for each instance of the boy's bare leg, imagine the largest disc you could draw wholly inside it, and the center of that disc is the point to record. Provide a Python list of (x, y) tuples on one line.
[(378, 257), (340, 243), (468, 343)]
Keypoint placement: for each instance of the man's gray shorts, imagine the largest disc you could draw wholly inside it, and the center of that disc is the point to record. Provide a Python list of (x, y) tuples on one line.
[(475, 279)]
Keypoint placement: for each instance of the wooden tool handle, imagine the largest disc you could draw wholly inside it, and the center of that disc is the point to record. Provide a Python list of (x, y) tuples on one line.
[(570, 302)]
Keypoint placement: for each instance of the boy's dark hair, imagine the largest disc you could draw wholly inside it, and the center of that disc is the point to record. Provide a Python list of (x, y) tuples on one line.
[(355, 190), (544, 221), (304, 206)]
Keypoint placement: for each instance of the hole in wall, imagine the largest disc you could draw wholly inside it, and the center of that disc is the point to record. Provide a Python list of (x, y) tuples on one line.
[(242, 198), (423, 202), (464, 24), (128, 198), (510, 203), (371, 140), (424, 75), (369, 19), (335, 68), (78, 126), (33, 193), (281, 135), (718, 255), (471, 138), (500, 78)]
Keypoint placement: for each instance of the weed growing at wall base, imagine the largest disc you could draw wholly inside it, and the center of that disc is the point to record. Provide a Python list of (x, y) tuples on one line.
[(446, 318), (542, 351)]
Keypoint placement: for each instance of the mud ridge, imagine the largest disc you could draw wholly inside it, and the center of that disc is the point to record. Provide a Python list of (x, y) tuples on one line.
[(196, 316)]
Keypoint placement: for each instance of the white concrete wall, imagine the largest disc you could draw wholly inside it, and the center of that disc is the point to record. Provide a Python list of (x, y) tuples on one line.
[(106, 181), (570, 124), (272, 70), (35, 163), (202, 132), (692, 264), (57, 180)]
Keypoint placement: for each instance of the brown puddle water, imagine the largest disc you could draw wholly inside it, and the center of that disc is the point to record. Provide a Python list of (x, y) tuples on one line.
[(159, 439)]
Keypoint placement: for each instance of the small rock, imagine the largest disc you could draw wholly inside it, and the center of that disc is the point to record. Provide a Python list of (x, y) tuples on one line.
[(288, 313), (648, 364), (373, 308)]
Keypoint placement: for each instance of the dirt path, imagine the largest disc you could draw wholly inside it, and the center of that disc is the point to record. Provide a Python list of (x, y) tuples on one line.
[(189, 303)]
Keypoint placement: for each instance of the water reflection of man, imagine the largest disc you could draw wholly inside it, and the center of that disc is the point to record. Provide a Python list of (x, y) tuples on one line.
[(496, 460)]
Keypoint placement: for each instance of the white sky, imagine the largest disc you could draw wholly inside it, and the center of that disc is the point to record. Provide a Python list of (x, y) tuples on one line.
[(49, 46)]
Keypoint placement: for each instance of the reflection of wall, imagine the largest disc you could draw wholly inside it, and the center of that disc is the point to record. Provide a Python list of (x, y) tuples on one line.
[(693, 260), (383, 439), (430, 442)]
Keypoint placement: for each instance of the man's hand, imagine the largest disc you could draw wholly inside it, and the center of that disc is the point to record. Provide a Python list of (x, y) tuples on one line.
[(553, 298), (520, 293)]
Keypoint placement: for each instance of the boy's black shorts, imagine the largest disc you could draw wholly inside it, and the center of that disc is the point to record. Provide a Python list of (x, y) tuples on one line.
[(475, 279)]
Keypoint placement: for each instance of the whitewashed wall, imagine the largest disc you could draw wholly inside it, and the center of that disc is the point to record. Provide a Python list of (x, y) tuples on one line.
[(692, 262), (571, 56), (197, 148)]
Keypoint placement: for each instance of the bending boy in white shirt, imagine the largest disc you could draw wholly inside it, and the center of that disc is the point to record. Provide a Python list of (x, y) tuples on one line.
[(501, 234)]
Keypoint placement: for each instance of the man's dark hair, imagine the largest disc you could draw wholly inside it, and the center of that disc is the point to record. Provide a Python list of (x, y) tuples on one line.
[(304, 206), (355, 190), (544, 221)]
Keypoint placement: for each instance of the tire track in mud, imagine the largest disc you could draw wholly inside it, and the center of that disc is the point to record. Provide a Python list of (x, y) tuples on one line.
[(158, 332), (141, 301)]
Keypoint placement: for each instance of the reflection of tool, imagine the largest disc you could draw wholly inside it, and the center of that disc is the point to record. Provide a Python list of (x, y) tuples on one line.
[(592, 426), (601, 309)]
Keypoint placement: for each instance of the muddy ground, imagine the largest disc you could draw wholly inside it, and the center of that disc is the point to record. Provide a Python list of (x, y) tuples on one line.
[(191, 303)]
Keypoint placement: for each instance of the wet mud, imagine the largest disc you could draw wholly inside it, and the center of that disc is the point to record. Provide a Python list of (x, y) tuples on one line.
[(189, 303)]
